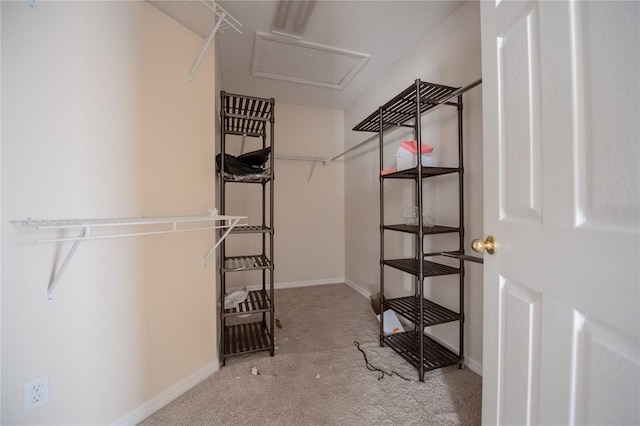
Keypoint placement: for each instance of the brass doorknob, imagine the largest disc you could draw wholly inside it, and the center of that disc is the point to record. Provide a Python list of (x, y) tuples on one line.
[(489, 245)]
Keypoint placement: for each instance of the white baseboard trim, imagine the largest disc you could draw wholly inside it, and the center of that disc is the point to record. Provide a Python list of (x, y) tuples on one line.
[(173, 392), (473, 365), (357, 288), (298, 284), (310, 283), (168, 395)]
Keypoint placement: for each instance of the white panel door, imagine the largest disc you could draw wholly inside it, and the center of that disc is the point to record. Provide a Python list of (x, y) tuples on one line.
[(561, 93)]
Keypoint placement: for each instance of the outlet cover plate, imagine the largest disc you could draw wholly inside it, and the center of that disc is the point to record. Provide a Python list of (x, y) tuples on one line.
[(36, 392)]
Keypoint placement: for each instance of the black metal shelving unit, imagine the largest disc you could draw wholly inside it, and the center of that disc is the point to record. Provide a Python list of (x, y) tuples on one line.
[(249, 327), (405, 110)]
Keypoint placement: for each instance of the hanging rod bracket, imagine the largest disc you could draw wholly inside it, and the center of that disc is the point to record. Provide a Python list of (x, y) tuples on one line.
[(56, 278), (313, 166), (231, 223), (222, 20), (204, 48)]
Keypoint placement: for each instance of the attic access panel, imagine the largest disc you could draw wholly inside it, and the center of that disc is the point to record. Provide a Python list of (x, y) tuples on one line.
[(298, 61)]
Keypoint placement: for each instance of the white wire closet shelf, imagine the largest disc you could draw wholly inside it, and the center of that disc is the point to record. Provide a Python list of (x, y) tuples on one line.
[(102, 228), (203, 17)]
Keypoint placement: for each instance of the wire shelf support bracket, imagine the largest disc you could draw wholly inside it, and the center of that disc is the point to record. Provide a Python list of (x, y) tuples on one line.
[(223, 20), (86, 226)]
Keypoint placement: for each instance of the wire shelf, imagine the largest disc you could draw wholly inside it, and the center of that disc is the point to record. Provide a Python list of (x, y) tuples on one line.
[(246, 115), (427, 230), (159, 224), (429, 269), (256, 301), (122, 221), (246, 338), (246, 263), (434, 356), (426, 172), (251, 229), (403, 107), (433, 314)]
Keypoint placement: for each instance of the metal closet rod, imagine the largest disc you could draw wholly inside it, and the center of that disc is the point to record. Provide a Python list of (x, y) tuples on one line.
[(440, 103), (313, 160), (294, 158)]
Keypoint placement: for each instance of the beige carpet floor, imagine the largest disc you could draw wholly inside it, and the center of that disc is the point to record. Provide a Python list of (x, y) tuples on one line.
[(319, 377)]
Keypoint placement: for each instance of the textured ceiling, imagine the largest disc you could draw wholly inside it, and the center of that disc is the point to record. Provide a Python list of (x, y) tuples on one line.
[(382, 30), (385, 30)]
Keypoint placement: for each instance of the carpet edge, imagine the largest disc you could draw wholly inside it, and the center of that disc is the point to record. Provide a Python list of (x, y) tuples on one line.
[(171, 393)]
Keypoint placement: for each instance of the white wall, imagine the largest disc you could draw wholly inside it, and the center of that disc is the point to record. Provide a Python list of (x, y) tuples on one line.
[(99, 120), (1, 223), (450, 55), (309, 214)]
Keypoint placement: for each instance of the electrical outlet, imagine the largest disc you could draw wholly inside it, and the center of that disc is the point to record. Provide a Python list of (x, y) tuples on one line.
[(36, 393)]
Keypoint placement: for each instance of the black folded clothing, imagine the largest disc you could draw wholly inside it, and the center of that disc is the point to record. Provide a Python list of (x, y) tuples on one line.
[(255, 158), (245, 164)]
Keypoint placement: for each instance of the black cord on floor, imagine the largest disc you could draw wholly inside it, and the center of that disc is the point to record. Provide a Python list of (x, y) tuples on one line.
[(372, 368)]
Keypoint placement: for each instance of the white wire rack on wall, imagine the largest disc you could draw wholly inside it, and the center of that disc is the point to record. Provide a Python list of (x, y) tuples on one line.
[(94, 229), (204, 17)]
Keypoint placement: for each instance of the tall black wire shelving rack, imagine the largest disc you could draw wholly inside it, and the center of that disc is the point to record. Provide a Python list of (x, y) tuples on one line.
[(249, 326), (406, 110)]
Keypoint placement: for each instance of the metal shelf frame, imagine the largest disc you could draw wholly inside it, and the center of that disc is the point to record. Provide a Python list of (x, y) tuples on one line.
[(256, 301), (432, 312), (421, 351), (246, 338), (249, 116), (406, 110)]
